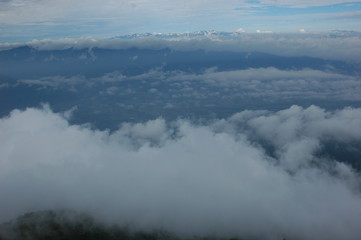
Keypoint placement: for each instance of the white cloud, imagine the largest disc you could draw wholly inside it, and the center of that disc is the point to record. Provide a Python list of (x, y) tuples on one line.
[(188, 178), (320, 45), (61, 18), (253, 82), (305, 3), (241, 30), (273, 82), (263, 31), (57, 81), (38, 11), (43, 11)]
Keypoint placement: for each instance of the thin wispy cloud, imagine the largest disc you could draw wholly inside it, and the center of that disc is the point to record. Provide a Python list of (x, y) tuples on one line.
[(270, 82), (100, 18)]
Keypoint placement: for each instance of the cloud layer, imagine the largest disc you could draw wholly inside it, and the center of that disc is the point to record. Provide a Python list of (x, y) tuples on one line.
[(269, 82), (215, 178), (31, 19), (342, 46), (276, 83), (42, 11)]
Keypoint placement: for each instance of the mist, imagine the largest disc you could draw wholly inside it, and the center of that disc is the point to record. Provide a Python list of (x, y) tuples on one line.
[(257, 174)]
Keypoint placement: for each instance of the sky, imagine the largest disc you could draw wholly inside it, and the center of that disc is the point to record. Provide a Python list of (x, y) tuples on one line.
[(24, 20)]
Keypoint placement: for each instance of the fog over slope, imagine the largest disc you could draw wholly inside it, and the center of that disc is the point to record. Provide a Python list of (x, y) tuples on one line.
[(189, 178)]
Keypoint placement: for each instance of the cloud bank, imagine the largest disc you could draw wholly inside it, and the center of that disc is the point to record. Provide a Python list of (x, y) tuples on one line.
[(252, 82), (276, 83), (205, 179), (319, 45)]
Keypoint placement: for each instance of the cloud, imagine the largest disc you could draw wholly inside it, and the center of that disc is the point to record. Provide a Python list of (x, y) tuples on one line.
[(307, 3), (42, 19), (347, 15), (253, 82), (56, 81), (192, 179), (319, 45), (42, 11), (297, 131), (276, 83)]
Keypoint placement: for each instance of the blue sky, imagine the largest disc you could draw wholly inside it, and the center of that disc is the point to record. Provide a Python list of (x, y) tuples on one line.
[(24, 20)]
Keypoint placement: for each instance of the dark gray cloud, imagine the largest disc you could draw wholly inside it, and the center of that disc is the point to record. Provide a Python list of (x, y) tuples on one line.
[(188, 178)]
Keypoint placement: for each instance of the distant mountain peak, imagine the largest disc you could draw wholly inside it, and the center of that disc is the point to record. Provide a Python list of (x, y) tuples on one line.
[(213, 34), (195, 34)]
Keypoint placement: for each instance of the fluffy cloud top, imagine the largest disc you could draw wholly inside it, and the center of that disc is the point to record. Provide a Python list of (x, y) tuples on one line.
[(191, 179)]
